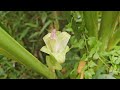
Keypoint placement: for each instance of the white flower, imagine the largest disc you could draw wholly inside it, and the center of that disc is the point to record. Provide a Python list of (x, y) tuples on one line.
[(56, 45)]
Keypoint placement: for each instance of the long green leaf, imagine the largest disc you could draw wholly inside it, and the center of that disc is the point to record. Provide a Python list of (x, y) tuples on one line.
[(114, 39), (12, 48), (108, 24), (91, 22)]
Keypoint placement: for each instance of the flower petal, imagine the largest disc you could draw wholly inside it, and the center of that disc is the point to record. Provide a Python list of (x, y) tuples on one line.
[(62, 39), (46, 39), (55, 43), (45, 50), (60, 57)]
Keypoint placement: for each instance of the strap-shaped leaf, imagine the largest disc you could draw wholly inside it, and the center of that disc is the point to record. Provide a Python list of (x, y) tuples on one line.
[(91, 22), (107, 27), (14, 50)]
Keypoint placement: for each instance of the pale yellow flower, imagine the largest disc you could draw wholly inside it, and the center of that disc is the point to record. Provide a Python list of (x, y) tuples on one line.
[(56, 45)]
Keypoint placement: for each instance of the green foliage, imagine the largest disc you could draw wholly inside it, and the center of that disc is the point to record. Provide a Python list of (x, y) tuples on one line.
[(94, 39), (89, 48)]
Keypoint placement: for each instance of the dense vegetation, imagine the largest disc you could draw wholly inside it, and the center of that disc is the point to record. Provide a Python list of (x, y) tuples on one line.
[(92, 53)]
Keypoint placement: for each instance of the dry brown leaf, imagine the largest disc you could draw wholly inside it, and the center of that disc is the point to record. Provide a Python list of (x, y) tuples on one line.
[(81, 66), (80, 69), (82, 75)]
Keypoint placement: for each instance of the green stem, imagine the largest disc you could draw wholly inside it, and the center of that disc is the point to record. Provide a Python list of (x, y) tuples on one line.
[(11, 47), (103, 62)]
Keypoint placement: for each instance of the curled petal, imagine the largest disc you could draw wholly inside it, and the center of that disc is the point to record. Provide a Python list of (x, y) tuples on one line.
[(45, 50), (46, 39)]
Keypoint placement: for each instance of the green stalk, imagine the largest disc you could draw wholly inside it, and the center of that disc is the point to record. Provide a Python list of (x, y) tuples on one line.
[(11, 48), (114, 39), (91, 23), (108, 24)]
